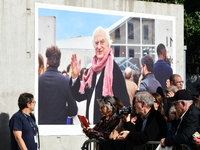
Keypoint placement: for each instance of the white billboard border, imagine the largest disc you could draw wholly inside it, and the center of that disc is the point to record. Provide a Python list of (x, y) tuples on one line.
[(76, 129)]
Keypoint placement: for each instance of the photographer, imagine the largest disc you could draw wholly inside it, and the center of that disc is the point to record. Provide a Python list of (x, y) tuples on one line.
[(151, 126)]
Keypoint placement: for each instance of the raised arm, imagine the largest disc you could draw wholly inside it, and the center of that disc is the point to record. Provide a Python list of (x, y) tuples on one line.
[(75, 66)]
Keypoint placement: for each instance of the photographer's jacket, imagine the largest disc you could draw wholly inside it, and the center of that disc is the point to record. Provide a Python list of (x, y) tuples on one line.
[(154, 130)]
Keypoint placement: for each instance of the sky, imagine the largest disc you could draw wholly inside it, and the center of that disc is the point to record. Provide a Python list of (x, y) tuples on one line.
[(73, 23)]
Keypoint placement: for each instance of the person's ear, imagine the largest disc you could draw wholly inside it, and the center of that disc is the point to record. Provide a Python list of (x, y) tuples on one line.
[(183, 103), (28, 104), (47, 63), (143, 104)]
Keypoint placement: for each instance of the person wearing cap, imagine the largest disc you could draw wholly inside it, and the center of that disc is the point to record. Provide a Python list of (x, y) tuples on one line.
[(189, 121)]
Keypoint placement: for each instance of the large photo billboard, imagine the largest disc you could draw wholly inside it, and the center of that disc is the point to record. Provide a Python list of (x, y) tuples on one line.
[(132, 36)]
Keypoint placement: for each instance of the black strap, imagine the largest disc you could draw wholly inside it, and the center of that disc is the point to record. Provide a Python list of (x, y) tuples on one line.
[(33, 126)]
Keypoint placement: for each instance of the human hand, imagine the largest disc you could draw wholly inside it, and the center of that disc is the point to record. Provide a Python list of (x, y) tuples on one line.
[(122, 135), (197, 140), (127, 117), (133, 119), (167, 83), (84, 127), (75, 66), (170, 94), (162, 142)]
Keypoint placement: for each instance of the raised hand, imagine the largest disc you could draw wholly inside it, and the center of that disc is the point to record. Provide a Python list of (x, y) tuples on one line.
[(75, 66)]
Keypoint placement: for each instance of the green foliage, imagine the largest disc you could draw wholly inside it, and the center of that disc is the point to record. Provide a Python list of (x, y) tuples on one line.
[(191, 26), (167, 1)]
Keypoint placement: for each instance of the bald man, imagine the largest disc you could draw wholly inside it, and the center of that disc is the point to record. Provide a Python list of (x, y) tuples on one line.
[(130, 85)]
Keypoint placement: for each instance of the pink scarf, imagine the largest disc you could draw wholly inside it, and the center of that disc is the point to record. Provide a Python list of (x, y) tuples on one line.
[(106, 62)]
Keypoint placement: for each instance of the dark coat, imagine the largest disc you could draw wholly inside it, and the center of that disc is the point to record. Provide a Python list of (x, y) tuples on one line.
[(54, 95), (119, 90), (188, 126), (155, 129)]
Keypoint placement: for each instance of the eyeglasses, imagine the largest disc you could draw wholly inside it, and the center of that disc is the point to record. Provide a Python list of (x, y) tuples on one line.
[(33, 102), (179, 81)]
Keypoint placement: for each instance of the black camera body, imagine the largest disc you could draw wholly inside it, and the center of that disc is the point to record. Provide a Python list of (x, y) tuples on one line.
[(126, 110)]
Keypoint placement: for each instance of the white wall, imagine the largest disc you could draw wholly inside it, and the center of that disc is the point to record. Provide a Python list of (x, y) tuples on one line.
[(46, 34), (17, 51)]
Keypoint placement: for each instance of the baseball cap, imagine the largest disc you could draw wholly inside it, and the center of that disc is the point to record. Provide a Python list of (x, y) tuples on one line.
[(181, 95)]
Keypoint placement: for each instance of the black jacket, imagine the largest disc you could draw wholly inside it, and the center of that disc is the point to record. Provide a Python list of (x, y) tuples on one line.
[(155, 129), (188, 126), (119, 90), (54, 95)]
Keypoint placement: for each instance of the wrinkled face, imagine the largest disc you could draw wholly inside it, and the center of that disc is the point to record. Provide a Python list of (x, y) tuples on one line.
[(101, 45), (178, 82), (138, 107), (179, 107), (104, 110)]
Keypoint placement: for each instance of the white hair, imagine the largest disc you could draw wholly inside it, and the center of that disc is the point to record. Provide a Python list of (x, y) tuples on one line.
[(100, 29), (187, 102)]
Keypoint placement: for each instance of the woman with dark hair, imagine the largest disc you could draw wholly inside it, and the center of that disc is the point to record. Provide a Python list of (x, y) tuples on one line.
[(158, 104), (108, 106)]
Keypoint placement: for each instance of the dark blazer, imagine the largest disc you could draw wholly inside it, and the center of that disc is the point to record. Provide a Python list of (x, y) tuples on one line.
[(188, 126), (55, 99), (119, 90), (155, 129)]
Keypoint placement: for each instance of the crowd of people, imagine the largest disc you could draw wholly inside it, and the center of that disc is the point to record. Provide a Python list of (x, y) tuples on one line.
[(127, 109)]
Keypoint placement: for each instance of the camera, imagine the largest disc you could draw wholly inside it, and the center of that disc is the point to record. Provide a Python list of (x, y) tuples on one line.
[(126, 110)]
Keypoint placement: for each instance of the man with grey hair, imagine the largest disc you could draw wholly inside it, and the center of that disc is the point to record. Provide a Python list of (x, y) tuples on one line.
[(151, 126), (130, 84), (189, 121), (103, 78)]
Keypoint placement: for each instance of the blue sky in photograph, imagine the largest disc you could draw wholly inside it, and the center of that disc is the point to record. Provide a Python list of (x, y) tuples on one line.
[(73, 23)]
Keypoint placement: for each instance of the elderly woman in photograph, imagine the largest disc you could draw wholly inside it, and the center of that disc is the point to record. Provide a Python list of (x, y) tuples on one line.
[(108, 106)]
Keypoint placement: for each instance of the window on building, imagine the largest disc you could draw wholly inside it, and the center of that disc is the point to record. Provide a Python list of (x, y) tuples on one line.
[(117, 51), (117, 33), (130, 30), (131, 52), (145, 52), (146, 32)]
